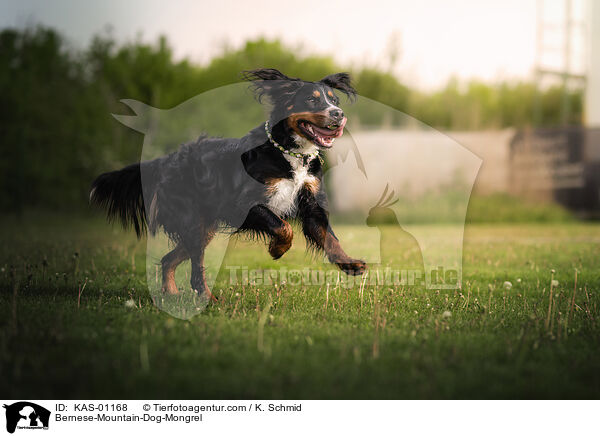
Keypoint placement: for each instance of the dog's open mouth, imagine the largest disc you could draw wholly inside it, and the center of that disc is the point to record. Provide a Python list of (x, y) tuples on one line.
[(322, 136)]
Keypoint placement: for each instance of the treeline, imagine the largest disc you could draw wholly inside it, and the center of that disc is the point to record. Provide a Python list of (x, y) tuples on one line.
[(57, 132)]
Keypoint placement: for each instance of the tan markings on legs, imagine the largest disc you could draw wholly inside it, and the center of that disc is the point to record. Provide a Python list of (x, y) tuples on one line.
[(281, 241), (336, 255), (208, 236), (211, 296), (333, 249), (169, 263)]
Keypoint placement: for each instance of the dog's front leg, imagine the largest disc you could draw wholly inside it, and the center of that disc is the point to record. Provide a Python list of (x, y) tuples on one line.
[(263, 221), (318, 232)]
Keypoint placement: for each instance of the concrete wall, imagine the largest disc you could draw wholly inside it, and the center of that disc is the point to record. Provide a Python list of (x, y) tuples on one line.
[(492, 147), (414, 161), (592, 96)]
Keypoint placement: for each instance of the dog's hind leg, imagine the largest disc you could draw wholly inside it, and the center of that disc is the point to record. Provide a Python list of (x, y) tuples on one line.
[(198, 281), (169, 263), (195, 245)]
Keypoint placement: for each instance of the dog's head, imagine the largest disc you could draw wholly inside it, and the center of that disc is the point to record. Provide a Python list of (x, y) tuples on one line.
[(309, 110)]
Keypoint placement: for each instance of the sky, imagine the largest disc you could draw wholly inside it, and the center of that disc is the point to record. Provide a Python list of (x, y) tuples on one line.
[(434, 39)]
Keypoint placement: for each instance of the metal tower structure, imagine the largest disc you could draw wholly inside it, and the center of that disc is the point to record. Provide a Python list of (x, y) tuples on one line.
[(567, 30)]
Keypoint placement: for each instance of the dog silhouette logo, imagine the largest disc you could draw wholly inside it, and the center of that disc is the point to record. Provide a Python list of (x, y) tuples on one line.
[(26, 415)]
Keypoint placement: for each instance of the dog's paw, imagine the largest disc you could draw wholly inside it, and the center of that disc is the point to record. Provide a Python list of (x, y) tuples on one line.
[(353, 267), (170, 288), (278, 246), (205, 293)]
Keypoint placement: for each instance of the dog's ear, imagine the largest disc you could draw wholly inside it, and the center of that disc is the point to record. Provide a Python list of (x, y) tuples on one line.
[(271, 83), (265, 74), (342, 82)]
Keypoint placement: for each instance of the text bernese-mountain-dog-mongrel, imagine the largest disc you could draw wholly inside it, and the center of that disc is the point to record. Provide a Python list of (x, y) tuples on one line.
[(251, 184)]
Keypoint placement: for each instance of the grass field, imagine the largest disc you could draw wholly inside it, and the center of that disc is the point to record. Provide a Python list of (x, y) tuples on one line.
[(77, 321)]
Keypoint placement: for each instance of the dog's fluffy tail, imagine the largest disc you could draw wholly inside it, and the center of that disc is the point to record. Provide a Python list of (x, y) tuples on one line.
[(120, 193)]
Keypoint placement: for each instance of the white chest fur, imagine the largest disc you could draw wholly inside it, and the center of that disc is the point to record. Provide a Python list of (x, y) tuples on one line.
[(283, 194)]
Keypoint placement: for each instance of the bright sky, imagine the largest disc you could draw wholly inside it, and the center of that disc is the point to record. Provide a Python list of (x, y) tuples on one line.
[(490, 40)]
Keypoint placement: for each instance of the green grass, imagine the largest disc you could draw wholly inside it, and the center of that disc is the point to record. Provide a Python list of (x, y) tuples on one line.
[(505, 208), (59, 338)]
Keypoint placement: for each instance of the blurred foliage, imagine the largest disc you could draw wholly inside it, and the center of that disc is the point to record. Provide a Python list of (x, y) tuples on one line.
[(57, 132), (478, 105)]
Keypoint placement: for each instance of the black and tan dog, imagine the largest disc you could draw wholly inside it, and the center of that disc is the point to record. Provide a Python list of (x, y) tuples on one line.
[(251, 184)]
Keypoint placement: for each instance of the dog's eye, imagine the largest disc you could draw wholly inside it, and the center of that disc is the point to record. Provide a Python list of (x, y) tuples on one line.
[(312, 99)]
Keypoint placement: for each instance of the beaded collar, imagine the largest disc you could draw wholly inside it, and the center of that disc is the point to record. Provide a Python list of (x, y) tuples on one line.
[(306, 157)]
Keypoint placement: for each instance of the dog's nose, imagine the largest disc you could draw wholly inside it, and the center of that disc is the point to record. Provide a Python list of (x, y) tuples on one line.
[(336, 114)]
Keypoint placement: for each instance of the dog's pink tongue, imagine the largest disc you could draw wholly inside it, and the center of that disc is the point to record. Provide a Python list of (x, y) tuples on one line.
[(331, 133)]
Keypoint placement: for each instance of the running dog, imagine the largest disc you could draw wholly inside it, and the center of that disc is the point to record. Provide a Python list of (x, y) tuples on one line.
[(252, 184)]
